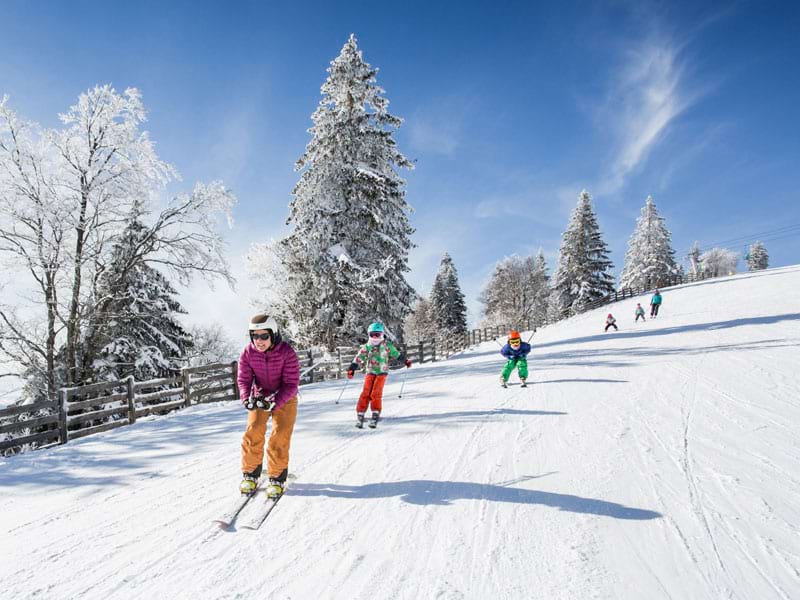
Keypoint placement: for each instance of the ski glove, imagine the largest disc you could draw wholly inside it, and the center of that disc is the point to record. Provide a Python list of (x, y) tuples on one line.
[(408, 364), (260, 403), (351, 370)]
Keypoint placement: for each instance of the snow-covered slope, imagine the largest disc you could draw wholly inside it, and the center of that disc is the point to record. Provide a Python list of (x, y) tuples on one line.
[(657, 462)]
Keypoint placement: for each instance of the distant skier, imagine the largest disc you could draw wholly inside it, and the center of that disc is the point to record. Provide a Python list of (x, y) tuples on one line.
[(655, 304), (639, 313), (516, 351), (375, 356), (269, 374), (611, 322)]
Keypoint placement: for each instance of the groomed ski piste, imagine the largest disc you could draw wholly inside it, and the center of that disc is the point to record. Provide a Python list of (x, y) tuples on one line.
[(660, 461)]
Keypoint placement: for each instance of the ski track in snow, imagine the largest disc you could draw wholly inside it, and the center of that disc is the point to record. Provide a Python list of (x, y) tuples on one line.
[(656, 462)]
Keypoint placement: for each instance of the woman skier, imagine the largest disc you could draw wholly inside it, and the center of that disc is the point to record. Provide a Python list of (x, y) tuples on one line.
[(269, 374), (374, 355), (611, 322), (655, 304), (516, 351)]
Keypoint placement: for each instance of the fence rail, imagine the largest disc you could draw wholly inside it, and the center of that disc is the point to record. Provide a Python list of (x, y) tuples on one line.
[(97, 407)]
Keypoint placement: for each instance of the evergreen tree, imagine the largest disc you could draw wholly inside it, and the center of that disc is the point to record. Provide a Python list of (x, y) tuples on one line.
[(583, 268), (541, 287), (757, 257), (347, 255), (447, 301), (694, 258), (650, 260), (134, 324)]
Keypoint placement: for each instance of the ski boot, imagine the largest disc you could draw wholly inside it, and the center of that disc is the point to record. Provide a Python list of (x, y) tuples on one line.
[(523, 382), (248, 485), (373, 422), (275, 488), (360, 421), (503, 382)]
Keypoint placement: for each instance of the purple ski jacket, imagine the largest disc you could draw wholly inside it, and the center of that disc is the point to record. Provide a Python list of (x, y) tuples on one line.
[(275, 371)]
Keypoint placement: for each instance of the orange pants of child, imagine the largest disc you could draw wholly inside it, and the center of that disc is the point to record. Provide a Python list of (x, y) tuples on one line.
[(371, 393), (283, 420)]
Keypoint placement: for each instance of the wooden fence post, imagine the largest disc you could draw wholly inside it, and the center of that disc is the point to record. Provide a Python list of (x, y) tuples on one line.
[(421, 352), (62, 415), (310, 364), (234, 378), (187, 399), (434, 350), (131, 402)]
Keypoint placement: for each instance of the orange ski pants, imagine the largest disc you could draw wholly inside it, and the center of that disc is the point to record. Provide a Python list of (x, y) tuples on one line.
[(371, 393), (283, 420)]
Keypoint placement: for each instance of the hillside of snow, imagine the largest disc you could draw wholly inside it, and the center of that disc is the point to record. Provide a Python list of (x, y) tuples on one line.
[(660, 461)]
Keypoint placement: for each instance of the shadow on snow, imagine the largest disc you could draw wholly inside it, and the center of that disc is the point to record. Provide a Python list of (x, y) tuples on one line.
[(444, 493)]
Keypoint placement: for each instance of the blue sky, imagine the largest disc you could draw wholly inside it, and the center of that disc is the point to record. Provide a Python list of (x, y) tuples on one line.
[(510, 110)]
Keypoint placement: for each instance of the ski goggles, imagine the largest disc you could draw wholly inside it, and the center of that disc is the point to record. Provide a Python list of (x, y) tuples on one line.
[(260, 336), (515, 342), (375, 334)]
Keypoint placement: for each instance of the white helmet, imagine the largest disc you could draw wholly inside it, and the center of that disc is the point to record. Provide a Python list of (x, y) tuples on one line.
[(261, 321)]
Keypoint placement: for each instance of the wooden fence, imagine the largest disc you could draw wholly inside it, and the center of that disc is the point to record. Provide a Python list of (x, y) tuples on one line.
[(88, 409)]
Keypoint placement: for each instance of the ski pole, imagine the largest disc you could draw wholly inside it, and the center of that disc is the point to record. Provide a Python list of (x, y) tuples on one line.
[(402, 385), (346, 381)]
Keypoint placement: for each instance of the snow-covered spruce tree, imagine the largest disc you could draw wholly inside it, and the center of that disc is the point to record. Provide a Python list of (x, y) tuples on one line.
[(541, 287), (650, 260), (694, 258), (348, 253), (447, 301), (718, 261), (757, 257), (583, 268), (139, 334)]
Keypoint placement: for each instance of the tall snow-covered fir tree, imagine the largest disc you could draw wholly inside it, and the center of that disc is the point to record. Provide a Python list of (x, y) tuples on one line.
[(583, 268), (447, 301), (694, 258), (347, 256), (650, 260), (757, 257), (134, 326)]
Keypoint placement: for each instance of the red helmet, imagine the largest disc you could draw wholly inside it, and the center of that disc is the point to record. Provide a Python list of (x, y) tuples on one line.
[(609, 314), (513, 334)]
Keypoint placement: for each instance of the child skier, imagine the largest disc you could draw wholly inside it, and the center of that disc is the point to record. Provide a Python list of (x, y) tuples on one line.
[(655, 304), (639, 313), (611, 322), (374, 355), (516, 351), (269, 374)]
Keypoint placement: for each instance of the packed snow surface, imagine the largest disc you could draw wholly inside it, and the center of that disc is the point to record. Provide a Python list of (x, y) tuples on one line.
[(660, 461)]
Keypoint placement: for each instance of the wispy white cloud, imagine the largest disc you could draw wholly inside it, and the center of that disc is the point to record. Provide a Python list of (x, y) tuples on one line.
[(650, 91), (438, 128)]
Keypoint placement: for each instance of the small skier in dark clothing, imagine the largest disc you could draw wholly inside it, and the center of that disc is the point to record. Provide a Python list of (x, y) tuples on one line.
[(639, 313), (516, 351), (611, 322), (655, 304)]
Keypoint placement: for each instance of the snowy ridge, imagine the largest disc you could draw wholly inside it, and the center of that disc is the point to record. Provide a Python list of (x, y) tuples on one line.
[(655, 462)]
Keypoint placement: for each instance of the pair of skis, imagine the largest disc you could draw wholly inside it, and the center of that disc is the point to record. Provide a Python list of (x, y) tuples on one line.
[(251, 510)]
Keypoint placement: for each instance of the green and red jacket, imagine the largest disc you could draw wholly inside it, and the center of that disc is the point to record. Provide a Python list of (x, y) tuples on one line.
[(376, 358)]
